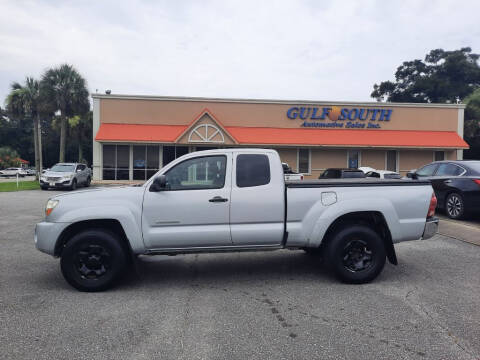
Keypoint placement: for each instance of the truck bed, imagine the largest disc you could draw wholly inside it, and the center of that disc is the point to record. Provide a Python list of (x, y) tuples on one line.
[(354, 183)]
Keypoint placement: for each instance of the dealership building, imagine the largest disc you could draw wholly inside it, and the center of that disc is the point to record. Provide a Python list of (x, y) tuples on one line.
[(134, 136)]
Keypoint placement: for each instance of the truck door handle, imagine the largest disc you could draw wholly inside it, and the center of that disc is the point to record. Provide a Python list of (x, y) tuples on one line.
[(218, 199), (447, 181)]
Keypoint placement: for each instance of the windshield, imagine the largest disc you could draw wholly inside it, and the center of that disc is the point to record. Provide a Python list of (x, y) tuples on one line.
[(63, 168)]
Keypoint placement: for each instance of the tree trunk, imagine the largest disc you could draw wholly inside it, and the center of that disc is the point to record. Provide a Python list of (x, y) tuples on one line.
[(40, 153), (79, 138), (63, 133), (80, 153), (35, 143)]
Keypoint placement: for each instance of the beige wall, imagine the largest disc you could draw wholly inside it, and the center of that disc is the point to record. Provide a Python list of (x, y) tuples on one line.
[(450, 155), (156, 111), (373, 158), (414, 159), (289, 155)]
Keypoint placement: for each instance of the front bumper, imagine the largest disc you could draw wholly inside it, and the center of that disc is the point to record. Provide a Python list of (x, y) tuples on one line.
[(431, 227), (56, 184), (47, 234)]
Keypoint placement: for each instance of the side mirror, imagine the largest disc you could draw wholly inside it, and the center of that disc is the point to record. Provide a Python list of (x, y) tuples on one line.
[(412, 175), (159, 183)]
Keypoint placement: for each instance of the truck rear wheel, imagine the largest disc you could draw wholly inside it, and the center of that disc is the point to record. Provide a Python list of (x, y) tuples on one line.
[(356, 254), (93, 260)]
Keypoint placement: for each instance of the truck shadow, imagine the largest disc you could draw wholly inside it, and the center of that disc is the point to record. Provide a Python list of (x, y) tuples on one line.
[(222, 268)]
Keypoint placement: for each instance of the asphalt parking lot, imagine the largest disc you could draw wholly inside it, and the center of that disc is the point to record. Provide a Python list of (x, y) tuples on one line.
[(279, 305)]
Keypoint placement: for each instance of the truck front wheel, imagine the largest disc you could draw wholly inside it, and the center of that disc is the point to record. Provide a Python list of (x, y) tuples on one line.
[(93, 260), (356, 254)]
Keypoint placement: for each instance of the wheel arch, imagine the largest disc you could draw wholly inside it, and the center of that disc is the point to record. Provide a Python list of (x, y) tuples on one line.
[(112, 225), (373, 219)]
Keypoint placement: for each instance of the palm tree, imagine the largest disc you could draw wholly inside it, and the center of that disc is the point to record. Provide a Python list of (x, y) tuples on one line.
[(81, 129), (66, 91), (25, 101)]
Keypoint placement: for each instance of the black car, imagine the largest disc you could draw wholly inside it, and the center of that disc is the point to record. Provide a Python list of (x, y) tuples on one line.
[(342, 173), (456, 185)]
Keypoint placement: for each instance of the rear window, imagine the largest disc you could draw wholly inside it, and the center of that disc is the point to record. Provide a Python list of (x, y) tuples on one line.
[(353, 174), (252, 170), (372, 174), (392, 176), (474, 165), (331, 174)]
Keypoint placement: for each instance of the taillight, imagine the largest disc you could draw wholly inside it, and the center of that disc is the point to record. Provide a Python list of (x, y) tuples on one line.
[(477, 181), (432, 207), (301, 177)]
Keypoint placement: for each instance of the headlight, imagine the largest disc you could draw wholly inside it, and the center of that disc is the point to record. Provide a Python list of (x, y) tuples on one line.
[(50, 206)]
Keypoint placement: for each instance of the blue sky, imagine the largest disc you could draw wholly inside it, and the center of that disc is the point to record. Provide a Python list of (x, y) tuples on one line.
[(319, 50)]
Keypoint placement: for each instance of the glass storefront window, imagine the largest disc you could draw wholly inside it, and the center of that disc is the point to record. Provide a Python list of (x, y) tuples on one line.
[(439, 156), (353, 159), (145, 161), (171, 153), (109, 161), (392, 160), (304, 161)]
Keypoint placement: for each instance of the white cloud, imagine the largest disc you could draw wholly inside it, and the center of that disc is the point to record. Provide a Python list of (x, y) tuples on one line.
[(325, 50)]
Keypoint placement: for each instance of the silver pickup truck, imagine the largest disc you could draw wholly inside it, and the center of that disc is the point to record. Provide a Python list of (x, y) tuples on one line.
[(234, 200)]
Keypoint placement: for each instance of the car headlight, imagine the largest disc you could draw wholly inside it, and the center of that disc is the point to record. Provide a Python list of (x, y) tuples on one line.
[(50, 206), (67, 177)]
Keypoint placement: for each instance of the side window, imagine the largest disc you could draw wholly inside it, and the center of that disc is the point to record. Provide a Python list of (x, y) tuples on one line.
[(81, 167), (373, 174), (252, 170), (206, 172), (427, 170), (449, 170)]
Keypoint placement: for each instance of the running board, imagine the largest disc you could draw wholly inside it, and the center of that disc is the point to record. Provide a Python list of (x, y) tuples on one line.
[(212, 249)]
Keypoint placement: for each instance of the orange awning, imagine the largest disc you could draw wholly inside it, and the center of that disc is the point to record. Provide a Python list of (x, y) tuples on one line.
[(348, 137), (295, 136), (136, 132)]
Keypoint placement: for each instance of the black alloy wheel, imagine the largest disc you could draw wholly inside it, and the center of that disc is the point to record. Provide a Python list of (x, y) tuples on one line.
[(93, 260), (355, 253), (357, 256), (455, 206)]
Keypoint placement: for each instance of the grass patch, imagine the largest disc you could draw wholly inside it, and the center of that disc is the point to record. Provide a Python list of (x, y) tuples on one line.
[(22, 185)]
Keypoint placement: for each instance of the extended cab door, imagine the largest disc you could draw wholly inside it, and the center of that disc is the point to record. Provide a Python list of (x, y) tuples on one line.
[(193, 211), (257, 199)]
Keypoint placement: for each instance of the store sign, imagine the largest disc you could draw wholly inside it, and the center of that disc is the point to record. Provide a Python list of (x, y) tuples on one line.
[(336, 117)]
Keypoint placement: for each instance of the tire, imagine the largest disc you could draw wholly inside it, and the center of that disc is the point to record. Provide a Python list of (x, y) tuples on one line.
[(74, 185), (455, 206), (87, 183), (44, 187), (93, 260), (356, 254)]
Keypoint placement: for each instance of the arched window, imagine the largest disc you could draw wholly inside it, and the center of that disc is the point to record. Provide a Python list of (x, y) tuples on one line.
[(206, 133)]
